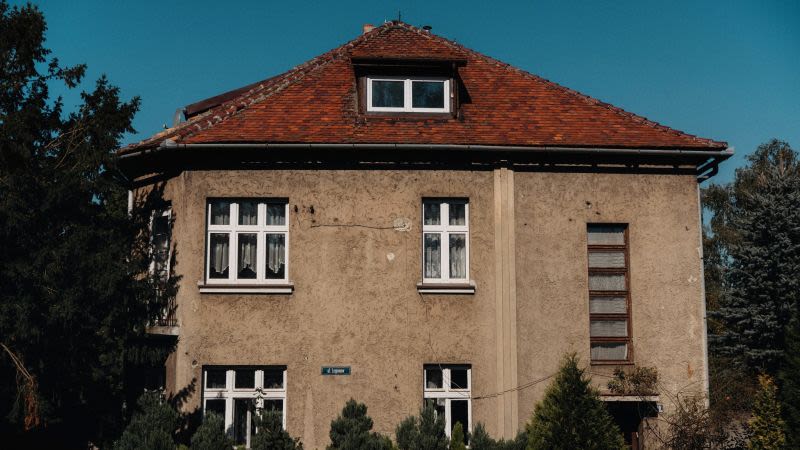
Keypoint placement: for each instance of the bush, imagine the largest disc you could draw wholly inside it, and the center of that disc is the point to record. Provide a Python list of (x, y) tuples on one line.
[(480, 440), (271, 435), (571, 415), (211, 434), (457, 438), (152, 425), (423, 433), (639, 381), (766, 425), (352, 430)]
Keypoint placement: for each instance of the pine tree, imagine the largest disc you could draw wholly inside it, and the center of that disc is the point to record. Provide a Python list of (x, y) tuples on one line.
[(457, 438), (211, 435), (571, 415), (152, 426), (73, 304), (351, 430), (756, 256), (271, 435), (425, 432), (766, 425), (790, 384)]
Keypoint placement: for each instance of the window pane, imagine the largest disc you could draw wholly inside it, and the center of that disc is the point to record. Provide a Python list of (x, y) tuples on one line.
[(386, 94), (458, 379), (215, 379), (248, 213), (608, 305), (276, 213), (606, 234), (220, 212), (218, 256), (276, 256), (273, 405), (458, 214), (427, 94), (433, 378), (247, 255), (432, 213), (608, 328), (216, 406), (459, 412), (458, 256), (242, 410), (609, 351), (433, 255), (607, 259), (245, 379), (438, 406), (606, 282), (273, 378), (160, 249)]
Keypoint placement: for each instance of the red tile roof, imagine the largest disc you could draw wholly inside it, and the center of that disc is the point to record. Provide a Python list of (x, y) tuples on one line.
[(316, 103)]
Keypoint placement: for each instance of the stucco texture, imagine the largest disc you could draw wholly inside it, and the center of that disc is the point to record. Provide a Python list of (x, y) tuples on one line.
[(355, 301)]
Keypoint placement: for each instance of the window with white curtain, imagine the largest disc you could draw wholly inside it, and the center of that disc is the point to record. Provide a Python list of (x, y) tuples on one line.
[(445, 240), (247, 241), (447, 388), (238, 393), (609, 295)]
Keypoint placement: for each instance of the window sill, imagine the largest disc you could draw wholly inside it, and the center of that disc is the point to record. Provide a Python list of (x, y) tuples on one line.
[(446, 288), (612, 363), (285, 288), (163, 330)]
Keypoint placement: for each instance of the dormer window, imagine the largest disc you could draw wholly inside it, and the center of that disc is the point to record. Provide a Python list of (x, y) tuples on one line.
[(408, 94)]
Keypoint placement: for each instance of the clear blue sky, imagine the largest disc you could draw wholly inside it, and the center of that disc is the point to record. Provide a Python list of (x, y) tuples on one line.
[(728, 70)]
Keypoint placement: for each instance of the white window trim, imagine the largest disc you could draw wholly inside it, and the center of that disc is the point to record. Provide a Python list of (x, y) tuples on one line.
[(232, 230), (230, 393), (448, 394), (407, 102), (444, 230)]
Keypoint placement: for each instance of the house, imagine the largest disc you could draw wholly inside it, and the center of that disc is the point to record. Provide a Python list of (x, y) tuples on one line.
[(403, 220)]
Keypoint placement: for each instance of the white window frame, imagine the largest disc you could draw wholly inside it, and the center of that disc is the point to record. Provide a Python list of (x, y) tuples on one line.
[(233, 229), (444, 230), (407, 98), (449, 394), (230, 393)]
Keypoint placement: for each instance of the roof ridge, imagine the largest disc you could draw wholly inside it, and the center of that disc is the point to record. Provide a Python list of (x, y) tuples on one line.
[(555, 85)]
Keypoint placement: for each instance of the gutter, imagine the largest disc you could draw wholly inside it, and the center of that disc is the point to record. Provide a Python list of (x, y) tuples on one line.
[(704, 171)]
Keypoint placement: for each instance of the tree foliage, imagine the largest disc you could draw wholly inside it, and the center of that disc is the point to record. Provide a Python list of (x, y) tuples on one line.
[(790, 384), (753, 258), (571, 415), (271, 435), (480, 440), (766, 425), (457, 438), (352, 430), (152, 426), (211, 435), (425, 432), (73, 306)]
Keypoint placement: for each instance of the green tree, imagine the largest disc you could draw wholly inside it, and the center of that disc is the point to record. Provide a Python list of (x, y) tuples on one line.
[(457, 438), (753, 258), (352, 430), (152, 426), (425, 432), (480, 440), (73, 303), (571, 415), (766, 425), (271, 435), (790, 384), (211, 435)]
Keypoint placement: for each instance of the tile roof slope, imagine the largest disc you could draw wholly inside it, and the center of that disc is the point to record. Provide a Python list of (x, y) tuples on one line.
[(315, 103)]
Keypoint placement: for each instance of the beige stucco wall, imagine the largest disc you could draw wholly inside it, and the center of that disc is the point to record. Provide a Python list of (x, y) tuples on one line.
[(355, 301)]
